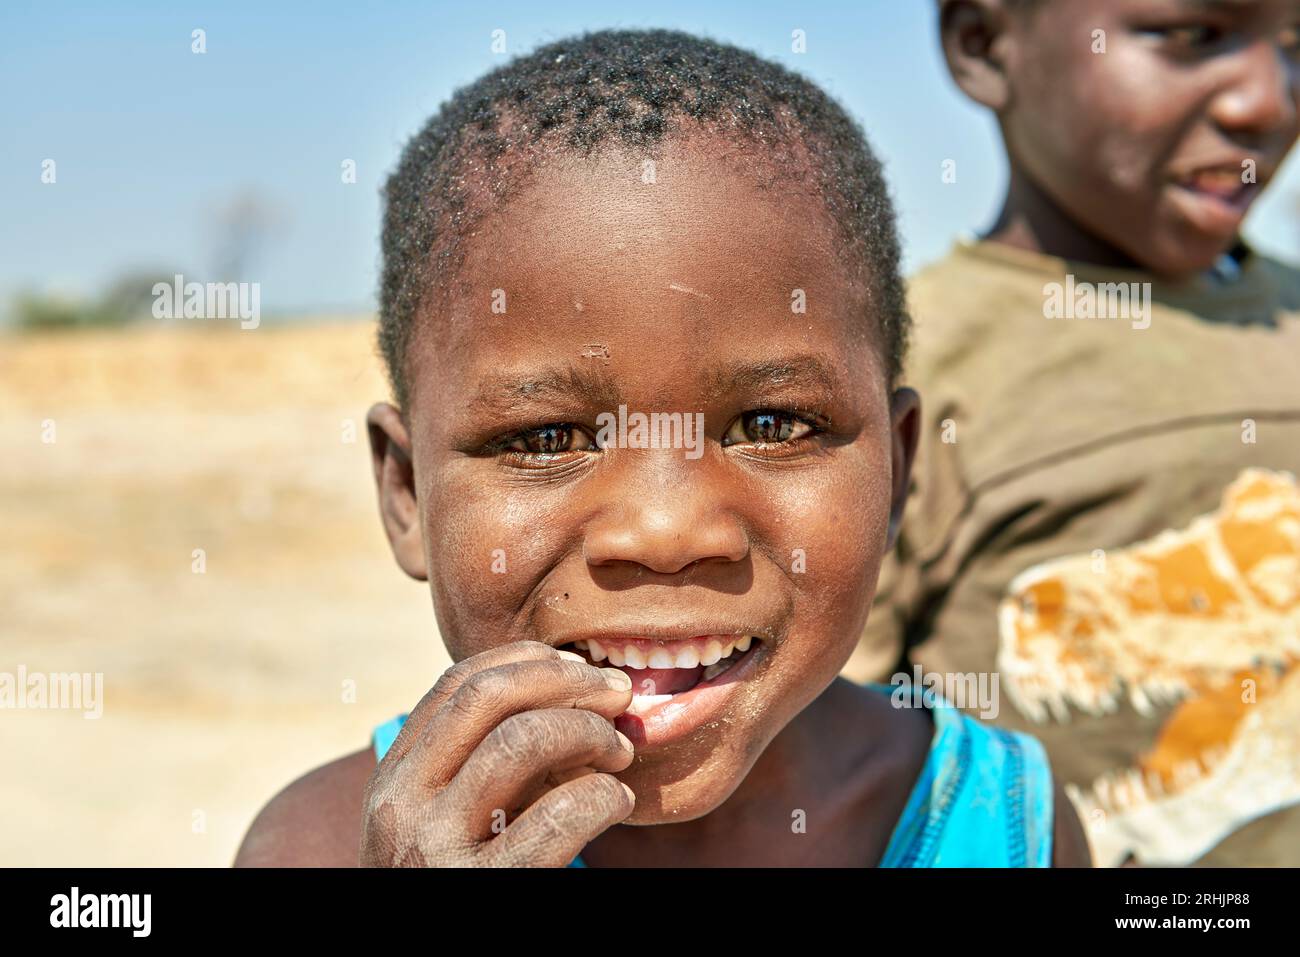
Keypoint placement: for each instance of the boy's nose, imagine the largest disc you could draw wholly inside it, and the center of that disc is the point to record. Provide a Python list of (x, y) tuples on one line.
[(668, 531), (1262, 100)]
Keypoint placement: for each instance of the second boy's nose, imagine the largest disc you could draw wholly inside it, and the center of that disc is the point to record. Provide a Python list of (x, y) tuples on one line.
[(1262, 99)]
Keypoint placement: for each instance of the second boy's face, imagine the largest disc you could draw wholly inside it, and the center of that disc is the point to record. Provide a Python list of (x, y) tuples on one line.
[(1155, 123), (698, 294)]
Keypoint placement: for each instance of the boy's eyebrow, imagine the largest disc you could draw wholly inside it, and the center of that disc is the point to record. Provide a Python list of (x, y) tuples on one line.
[(505, 392), (802, 370)]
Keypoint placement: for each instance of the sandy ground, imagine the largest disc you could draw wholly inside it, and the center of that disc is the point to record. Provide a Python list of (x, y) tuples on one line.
[(219, 688)]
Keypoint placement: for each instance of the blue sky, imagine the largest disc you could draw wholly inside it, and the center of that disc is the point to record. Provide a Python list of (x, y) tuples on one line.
[(151, 140)]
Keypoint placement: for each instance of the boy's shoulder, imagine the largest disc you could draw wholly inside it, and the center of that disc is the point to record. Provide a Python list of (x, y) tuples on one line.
[(942, 750), (1070, 846), (983, 269), (1285, 277), (313, 822), (959, 304), (965, 297)]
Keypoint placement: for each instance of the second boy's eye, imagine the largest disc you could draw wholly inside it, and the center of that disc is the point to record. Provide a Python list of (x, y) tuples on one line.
[(551, 440), (1195, 36), (766, 426), (1290, 39), (1191, 36)]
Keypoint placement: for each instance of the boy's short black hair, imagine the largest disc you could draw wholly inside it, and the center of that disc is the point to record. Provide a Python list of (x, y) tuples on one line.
[(631, 88)]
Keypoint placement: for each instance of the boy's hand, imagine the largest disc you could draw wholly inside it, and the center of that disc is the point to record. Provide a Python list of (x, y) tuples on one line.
[(505, 762)]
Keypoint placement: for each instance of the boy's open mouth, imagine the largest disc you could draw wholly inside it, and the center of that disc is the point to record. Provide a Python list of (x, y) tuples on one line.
[(660, 669), (1226, 184), (1216, 198)]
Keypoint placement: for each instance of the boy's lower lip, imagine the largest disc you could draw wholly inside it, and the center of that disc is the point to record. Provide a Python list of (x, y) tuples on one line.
[(1212, 213), (675, 719)]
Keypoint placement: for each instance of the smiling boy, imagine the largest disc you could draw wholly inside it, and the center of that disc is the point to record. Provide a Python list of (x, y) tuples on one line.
[(648, 643), (1138, 133)]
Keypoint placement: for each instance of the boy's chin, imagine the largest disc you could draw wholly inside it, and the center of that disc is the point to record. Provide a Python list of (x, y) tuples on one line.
[(649, 813), (1174, 254), (642, 818), (1186, 261), (1180, 248), (683, 799)]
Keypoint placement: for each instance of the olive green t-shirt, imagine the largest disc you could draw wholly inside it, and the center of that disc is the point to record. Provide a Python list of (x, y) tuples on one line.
[(1049, 433)]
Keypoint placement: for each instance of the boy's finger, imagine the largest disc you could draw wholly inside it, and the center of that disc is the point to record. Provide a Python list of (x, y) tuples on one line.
[(555, 829), (455, 676), (487, 698), (520, 753)]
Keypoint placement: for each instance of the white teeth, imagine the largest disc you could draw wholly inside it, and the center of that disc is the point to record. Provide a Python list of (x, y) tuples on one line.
[(1219, 182), (715, 655), (715, 669), (661, 658), (642, 703)]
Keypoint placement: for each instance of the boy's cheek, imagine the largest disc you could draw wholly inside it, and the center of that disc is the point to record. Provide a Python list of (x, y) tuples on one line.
[(485, 557), (833, 554)]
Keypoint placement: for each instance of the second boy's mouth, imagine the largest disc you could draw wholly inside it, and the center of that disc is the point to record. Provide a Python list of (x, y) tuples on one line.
[(1217, 198)]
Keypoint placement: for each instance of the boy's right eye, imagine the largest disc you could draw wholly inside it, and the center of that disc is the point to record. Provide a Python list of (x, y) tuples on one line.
[(550, 439)]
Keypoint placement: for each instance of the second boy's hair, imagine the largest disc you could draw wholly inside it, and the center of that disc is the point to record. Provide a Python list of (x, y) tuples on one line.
[(633, 89)]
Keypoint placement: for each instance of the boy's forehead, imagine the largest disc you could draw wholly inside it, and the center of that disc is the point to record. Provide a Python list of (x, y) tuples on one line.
[(649, 250)]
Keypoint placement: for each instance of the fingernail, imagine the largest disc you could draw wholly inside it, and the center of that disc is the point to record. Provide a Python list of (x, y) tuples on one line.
[(617, 680), (571, 656), (623, 739), (630, 792)]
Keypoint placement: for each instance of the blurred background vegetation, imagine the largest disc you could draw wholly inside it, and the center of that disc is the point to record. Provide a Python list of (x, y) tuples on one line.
[(126, 300), (239, 229)]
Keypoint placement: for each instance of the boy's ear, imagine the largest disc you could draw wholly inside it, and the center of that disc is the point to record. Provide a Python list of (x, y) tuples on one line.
[(905, 416), (976, 35), (390, 452)]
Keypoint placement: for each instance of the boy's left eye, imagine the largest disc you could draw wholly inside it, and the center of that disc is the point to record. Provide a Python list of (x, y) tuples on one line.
[(766, 427)]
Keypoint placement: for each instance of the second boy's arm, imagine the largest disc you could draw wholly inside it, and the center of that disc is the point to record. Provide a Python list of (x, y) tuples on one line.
[(1069, 842)]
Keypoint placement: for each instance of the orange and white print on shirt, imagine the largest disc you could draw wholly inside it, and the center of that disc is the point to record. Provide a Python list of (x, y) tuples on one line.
[(1205, 619)]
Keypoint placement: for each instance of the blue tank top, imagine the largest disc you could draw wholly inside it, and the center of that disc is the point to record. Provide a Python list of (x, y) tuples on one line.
[(983, 799)]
